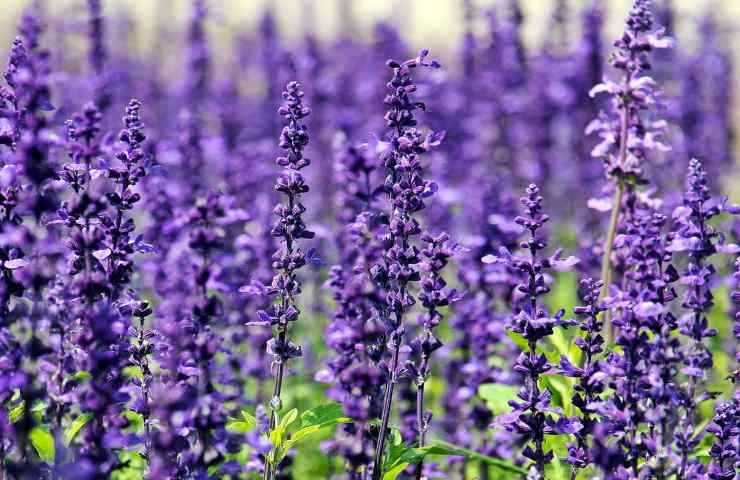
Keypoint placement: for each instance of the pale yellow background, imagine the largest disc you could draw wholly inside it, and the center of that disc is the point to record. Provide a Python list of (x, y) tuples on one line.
[(430, 22)]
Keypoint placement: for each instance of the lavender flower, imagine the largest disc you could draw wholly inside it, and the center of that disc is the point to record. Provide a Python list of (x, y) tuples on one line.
[(590, 377), (701, 241), (627, 133), (289, 227), (354, 333), (435, 295), (725, 451), (532, 414), (406, 190)]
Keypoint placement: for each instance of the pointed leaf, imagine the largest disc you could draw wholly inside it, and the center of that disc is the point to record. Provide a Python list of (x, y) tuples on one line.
[(43, 443), (77, 425)]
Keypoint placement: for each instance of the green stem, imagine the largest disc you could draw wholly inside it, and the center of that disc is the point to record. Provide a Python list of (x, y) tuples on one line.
[(606, 270)]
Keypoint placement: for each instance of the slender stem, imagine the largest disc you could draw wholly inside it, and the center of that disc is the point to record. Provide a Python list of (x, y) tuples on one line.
[(606, 273), (606, 270), (421, 426), (387, 401), (145, 383), (420, 422)]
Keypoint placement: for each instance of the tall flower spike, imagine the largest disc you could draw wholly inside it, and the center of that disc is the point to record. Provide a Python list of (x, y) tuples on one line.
[(590, 377), (725, 427), (290, 229), (626, 131), (130, 170), (407, 191), (700, 240), (199, 57), (532, 415), (435, 295)]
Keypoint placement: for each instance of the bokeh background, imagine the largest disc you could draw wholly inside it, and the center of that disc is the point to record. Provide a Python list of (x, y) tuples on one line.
[(437, 24)]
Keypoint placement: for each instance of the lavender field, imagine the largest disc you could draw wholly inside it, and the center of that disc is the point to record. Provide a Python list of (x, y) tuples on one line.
[(290, 255)]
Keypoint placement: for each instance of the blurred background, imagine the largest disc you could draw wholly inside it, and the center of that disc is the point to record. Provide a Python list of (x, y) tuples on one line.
[(435, 23), (155, 31)]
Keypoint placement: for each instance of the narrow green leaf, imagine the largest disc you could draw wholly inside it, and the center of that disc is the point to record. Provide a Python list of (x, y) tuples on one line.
[(316, 420), (249, 418), (43, 443), (451, 449), (16, 413), (134, 469), (394, 472), (74, 429), (556, 470), (330, 412), (288, 419)]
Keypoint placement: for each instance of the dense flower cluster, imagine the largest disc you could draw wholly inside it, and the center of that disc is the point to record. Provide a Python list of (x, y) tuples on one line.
[(167, 313)]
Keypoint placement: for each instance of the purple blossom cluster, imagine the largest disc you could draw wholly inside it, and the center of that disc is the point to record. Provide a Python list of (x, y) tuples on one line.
[(517, 266)]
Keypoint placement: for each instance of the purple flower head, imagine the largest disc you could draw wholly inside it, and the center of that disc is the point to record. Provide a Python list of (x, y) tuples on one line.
[(532, 415), (725, 450), (627, 133)]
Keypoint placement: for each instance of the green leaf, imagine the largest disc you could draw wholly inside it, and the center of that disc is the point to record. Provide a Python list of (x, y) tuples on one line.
[(16, 413), (558, 444), (314, 421), (327, 413), (556, 470), (400, 456), (74, 429), (81, 376), (134, 469), (288, 419), (395, 449), (135, 419), (43, 443), (394, 472), (440, 446), (497, 396), (245, 424)]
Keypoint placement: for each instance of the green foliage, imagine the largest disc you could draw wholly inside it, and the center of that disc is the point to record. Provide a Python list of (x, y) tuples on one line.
[(75, 427), (245, 424), (133, 371), (134, 467), (136, 421), (43, 443), (17, 412), (313, 422)]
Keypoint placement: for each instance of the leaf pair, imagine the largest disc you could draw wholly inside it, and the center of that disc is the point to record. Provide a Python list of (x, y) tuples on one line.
[(283, 437)]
